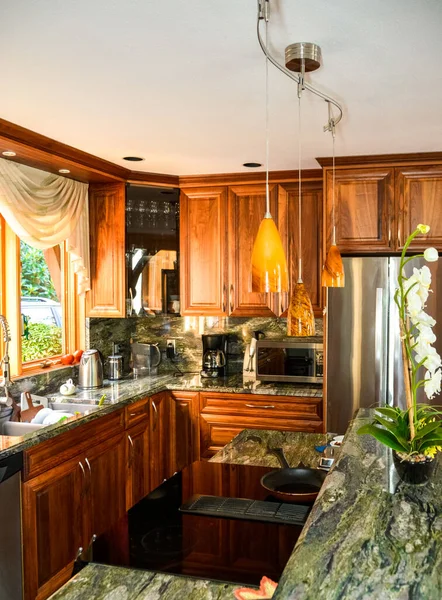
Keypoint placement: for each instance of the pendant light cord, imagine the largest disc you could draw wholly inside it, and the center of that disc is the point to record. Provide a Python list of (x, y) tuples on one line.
[(299, 191), (332, 129), (267, 215), (333, 193)]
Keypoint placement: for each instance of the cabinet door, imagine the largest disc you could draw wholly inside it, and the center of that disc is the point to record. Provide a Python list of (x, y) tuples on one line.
[(311, 238), (107, 224), (137, 453), (53, 508), (107, 484), (419, 194), (159, 442), (184, 436), (203, 265), (364, 210), (246, 211)]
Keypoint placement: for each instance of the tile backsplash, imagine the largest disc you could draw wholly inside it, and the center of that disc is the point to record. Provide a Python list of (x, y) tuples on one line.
[(187, 331)]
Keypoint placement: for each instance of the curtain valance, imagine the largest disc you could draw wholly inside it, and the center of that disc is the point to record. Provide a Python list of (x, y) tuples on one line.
[(44, 210)]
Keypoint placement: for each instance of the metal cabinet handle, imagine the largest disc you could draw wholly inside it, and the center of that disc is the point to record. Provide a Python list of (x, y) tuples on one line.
[(255, 406), (89, 466), (155, 417), (130, 441), (224, 297), (232, 290), (84, 477), (79, 551)]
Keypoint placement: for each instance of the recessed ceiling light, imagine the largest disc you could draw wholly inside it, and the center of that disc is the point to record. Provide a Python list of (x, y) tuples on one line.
[(133, 158), (64, 171), (252, 165), (9, 153)]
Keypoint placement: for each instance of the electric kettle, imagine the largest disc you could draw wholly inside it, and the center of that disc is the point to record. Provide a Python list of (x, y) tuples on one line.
[(145, 358), (91, 370)]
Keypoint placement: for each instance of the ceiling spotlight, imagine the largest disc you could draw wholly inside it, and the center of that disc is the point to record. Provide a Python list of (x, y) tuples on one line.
[(63, 171), (252, 165), (133, 158), (9, 153)]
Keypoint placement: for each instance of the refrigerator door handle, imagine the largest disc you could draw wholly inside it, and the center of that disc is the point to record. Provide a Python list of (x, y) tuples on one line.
[(379, 348)]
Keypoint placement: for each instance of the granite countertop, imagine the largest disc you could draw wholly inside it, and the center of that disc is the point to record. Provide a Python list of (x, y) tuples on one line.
[(369, 536), (99, 582), (251, 447), (129, 390)]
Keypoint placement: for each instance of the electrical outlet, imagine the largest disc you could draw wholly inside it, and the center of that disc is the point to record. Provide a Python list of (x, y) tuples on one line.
[(170, 348)]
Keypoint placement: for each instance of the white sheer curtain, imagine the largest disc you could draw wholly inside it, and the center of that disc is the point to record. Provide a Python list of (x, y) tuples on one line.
[(44, 210)]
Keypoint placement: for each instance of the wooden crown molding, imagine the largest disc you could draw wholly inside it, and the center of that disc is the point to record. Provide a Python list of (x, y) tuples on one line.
[(381, 159), (186, 181), (41, 152)]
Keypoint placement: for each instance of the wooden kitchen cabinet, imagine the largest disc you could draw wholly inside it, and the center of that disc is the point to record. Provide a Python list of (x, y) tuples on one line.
[(53, 513), (364, 209), (137, 451), (223, 416), (247, 207), (159, 439), (137, 456), (64, 507), (418, 192), (184, 435), (311, 239), (107, 484), (107, 250), (203, 247)]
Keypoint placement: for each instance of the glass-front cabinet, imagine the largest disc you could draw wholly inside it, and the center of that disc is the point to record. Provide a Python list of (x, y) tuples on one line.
[(152, 251)]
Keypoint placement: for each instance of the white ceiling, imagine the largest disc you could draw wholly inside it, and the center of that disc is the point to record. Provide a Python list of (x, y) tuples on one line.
[(181, 82)]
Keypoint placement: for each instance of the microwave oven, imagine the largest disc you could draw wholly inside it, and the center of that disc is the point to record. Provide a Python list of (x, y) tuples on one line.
[(285, 361)]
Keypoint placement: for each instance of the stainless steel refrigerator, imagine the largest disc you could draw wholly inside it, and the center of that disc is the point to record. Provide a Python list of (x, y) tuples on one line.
[(364, 360)]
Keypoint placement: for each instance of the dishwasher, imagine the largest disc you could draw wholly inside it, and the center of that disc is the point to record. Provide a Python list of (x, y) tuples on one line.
[(11, 576)]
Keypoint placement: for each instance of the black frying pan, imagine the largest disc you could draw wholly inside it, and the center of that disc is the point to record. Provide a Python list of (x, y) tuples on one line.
[(297, 484)]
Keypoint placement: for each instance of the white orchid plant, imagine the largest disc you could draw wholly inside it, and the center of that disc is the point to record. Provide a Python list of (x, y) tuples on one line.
[(417, 430)]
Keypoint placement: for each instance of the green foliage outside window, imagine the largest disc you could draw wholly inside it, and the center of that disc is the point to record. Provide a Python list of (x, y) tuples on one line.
[(35, 277), (44, 340)]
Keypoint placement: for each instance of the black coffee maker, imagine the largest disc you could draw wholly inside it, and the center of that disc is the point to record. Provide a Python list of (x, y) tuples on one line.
[(214, 355)]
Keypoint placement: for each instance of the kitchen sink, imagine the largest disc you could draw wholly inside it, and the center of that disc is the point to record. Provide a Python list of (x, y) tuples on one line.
[(85, 408), (76, 405)]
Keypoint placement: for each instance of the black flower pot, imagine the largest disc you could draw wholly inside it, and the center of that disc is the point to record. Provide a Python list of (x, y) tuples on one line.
[(414, 472)]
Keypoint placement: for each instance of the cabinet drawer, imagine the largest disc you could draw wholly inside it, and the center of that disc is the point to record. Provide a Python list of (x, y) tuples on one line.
[(253, 405), (66, 445), (137, 412)]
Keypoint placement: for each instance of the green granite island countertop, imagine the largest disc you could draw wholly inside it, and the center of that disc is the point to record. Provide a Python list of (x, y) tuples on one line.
[(369, 536), (252, 447), (99, 582)]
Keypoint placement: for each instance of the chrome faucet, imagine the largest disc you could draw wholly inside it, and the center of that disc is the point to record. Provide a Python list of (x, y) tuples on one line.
[(5, 360)]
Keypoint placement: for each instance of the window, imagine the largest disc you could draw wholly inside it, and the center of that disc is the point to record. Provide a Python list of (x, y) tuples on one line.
[(39, 300), (40, 305)]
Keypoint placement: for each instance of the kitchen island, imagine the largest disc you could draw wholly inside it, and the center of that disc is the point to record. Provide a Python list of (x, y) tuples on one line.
[(368, 535)]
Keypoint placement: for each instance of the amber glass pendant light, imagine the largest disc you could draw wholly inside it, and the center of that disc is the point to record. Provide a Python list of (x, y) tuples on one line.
[(269, 265), (300, 317), (333, 269)]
